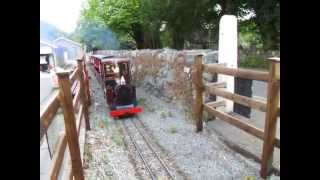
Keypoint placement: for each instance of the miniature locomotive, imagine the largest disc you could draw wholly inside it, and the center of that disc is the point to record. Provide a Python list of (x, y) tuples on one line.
[(115, 77)]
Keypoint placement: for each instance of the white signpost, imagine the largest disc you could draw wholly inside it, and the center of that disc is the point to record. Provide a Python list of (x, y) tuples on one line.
[(228, 52)]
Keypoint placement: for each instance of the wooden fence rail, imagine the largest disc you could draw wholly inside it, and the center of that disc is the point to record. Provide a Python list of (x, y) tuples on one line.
[(73, 89), (268, 135)]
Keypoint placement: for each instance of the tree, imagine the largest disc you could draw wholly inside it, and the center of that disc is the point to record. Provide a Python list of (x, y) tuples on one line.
[(152, 23), (186, 19), (127, 18), (267, 18)]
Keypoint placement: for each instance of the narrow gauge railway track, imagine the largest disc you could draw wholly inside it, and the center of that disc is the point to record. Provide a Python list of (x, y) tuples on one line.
[(150, 158)]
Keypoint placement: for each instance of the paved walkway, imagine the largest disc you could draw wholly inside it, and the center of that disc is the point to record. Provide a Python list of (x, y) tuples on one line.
[(46, 86), (44, 160)]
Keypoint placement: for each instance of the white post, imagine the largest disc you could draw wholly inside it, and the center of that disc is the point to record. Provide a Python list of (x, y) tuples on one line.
[(228, 52)]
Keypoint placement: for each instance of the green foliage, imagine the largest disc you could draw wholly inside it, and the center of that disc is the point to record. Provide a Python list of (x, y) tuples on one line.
[(129, 19), (151, 109), (166, 39), (158, 23), (106, 121), (254, 62), (142, 101), (268, 21), (163, 115), (117, 138), (173, 130), (249, 178), (249, 36)]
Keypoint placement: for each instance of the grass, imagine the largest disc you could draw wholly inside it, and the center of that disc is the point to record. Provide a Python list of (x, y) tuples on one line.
[(249, 178), (117, 138), (173, 130), (151, 109), (142, 101), (163, 115), (88, 154), (106, 121)]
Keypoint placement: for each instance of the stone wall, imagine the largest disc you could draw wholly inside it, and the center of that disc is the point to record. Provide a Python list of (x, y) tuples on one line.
[(166, 73)]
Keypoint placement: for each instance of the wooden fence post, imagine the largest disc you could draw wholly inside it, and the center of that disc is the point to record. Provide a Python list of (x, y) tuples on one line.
[(86, 80), (65, 98), (83, 93), (199, 87), (271, 117)]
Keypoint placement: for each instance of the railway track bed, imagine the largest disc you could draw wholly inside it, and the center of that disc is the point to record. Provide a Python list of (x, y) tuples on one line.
[(149, 160), (186, 154)]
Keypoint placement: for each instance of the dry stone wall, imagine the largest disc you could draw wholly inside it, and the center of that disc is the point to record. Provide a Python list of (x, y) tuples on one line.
[(166, 73)]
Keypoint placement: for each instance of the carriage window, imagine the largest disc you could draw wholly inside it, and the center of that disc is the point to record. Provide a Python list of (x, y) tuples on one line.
[(123, 68), (109, 69), (116, 70)]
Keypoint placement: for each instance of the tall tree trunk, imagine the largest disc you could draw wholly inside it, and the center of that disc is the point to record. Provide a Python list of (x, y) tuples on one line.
[(271, 38), (147, 44), (226, 7), (138, 35), (178, 40), (152, 40), (156, 39)]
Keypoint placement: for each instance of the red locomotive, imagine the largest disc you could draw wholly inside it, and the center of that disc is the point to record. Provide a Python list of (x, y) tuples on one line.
[(116, 78)]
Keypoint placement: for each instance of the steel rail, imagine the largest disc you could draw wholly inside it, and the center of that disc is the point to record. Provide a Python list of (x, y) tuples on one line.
[(152, 149), (139, 152)]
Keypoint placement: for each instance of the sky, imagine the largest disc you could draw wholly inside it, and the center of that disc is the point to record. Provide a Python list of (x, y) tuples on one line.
[(61, 13)]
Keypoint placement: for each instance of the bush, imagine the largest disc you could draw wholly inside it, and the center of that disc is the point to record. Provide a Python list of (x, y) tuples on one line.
[(254, 62)]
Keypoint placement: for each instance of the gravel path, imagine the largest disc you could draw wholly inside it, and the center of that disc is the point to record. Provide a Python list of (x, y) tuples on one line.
[(45, 86), (199, 155)]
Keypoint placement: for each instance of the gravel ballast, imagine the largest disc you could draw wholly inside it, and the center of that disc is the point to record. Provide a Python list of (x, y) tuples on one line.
[(199, 155), (195, 155), (105, 154)]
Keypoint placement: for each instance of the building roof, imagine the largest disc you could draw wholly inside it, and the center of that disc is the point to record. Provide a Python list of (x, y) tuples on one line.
[(48, 44), (67, 40), (46, 50)]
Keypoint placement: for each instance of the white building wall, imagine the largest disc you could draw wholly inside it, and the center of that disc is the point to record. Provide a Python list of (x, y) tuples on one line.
[(73, 50)]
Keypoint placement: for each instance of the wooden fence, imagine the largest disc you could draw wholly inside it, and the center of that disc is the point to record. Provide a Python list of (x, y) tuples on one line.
[(270, 107), (73, 97)]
